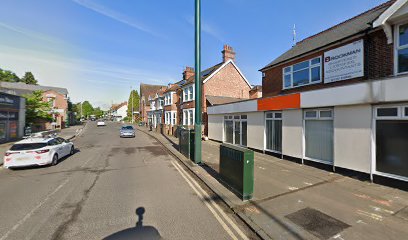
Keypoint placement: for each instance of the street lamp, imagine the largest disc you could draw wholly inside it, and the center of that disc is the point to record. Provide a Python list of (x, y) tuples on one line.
[(197, 124)]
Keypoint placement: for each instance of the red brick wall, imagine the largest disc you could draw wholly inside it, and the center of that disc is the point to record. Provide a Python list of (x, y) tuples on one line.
[(378, 63)]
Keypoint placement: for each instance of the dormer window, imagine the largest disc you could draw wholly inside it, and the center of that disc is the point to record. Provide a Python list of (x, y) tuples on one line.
[(301, 74), (402, 48)]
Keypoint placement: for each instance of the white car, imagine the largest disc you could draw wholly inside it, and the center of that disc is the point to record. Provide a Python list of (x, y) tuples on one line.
[(100, 123), (37, 152)]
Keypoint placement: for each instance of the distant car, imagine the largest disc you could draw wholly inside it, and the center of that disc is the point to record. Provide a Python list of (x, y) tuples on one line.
[(37, 152), (127, 131), (100, 124)]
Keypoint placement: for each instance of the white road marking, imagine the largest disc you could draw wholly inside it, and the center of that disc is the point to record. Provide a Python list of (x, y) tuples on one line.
[(189, 180), (28, 215)]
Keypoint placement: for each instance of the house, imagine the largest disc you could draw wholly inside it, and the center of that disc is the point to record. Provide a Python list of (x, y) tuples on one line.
[(57, 96), (12, 117), (155, 115), (171, 107), (255, 92), (146, 90), (336, 98), (119, 111), (224, 79)]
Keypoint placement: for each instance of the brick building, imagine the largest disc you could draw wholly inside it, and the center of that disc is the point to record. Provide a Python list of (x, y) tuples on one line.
[(146, 90), (57, 96), (175, 104), (336, 98), (224, 79)]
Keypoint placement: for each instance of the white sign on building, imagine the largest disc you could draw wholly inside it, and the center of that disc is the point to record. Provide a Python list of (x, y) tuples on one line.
[(345, 62)]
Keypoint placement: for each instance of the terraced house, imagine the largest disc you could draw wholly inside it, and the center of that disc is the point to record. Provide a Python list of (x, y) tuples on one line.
[(146, 90), (175, 104), (336, 98)]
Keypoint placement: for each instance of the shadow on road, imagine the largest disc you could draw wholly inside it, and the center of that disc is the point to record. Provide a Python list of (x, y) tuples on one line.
[(138, 232)]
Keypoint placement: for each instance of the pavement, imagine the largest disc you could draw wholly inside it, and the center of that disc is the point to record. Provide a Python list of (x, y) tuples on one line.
[(113, 188), (67, 133), (295, 201)]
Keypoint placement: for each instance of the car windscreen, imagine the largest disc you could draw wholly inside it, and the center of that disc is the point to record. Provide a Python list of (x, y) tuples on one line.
[(27, 146), (127, 128)]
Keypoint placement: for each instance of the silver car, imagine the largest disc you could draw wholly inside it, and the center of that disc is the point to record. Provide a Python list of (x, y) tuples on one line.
[(127, 131)]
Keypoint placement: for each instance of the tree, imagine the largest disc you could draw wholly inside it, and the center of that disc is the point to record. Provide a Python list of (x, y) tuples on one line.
[(8, 76), (87, 109), (29, 79), (98, 112), (136, 101), (36, 108)]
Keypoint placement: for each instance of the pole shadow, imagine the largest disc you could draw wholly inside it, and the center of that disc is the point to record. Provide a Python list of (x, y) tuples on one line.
[(138, 232)]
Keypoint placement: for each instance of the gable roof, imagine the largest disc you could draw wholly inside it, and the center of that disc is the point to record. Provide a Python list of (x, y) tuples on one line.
[(350, 27), (147, 90), (218, 100), (117, 106), (21, 88), (208, 73)]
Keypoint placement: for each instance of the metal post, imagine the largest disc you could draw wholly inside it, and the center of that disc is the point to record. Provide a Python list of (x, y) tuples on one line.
[(131, 93), (197, 125)]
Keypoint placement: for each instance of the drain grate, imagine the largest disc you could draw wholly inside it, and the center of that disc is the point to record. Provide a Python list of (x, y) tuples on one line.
[(317, 223)]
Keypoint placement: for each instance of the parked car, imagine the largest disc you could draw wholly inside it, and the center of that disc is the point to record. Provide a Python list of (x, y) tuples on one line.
[(100, 123), (40, 151), (127, 131)]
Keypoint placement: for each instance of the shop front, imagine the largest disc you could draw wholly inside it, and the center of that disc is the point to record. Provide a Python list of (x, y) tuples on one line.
[(12, 117)]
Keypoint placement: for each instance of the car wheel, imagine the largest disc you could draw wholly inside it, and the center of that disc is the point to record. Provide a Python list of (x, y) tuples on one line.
[(54, 160), (72, 151)]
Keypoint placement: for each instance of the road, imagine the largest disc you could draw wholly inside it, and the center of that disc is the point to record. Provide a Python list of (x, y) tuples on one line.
[(95, 194)]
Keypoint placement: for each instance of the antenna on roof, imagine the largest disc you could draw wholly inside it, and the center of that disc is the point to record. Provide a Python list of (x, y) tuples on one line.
[(294, 35)]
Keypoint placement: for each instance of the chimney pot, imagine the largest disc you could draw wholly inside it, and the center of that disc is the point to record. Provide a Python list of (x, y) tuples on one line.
[(228, 53), (188, 72)]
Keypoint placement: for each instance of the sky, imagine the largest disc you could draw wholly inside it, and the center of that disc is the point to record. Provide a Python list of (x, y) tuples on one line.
[(100, 49)]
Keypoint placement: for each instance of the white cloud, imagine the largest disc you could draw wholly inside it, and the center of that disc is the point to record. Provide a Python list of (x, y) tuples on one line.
[(115, 15)]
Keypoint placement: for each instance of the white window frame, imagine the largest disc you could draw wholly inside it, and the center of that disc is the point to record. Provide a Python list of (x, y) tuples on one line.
[(400, 112), (401, 116), (397, 47), (187, 114), (174, 118), (290, 73), (235, 118), (274, 117), (188, 93), (318, 110)]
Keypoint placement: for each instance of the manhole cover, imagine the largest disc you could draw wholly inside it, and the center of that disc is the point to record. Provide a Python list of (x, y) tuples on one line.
[(317, 223)]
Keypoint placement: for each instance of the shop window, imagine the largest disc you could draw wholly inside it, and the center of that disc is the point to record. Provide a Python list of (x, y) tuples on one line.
[(273, 130), (319, 135)]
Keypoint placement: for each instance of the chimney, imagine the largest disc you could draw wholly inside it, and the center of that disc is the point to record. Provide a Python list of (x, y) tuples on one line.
[(228, 53), (188, 72)]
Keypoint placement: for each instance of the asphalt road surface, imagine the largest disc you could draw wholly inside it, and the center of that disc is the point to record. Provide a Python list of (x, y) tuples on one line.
[(112, 188)]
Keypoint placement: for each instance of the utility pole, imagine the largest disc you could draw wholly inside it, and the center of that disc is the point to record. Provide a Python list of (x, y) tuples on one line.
[(81, 109), (198, 103), (131, 93)]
